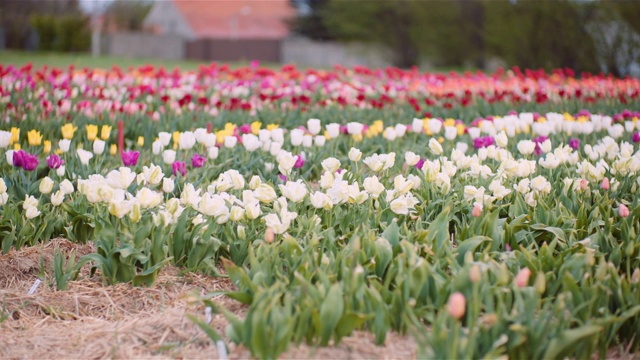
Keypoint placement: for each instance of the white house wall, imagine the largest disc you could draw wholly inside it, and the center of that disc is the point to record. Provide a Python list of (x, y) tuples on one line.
[(166, 16)]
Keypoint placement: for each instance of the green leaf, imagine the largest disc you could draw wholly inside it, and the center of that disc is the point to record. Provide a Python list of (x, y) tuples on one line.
[(348, 323), (392, 234), (211, 333), (569, 340), (330, 312), (470, 244)]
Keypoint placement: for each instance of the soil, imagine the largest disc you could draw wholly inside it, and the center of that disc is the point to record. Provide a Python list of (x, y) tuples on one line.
[(92, 320)]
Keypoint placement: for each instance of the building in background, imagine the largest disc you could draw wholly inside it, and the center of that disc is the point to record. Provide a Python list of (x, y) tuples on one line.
[(225, 30)]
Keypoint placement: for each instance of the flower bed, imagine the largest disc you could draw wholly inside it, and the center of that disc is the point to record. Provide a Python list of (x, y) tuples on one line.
[(511, 234)]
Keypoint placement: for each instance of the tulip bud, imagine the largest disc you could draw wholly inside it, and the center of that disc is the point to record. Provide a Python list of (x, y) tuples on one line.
[(242, 235), (456, 305), (167, 185), (477, 210), (584, 185), (605, 184), (474, 274), (269, 235), (522, 279), (135, 213), (623, 210), (540, 283)]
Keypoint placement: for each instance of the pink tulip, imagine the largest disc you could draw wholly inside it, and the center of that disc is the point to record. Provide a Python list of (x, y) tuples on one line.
[(623, 210), (456, 305), (605, 184), (477, 210), (522, 279)]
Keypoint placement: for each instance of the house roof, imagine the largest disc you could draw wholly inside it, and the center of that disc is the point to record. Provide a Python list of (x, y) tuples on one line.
[(237, 19)]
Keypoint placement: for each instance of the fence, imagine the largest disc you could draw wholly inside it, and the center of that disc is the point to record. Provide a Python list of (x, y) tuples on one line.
[(303, 51), (296, 50), (166, 47), (233, 50)]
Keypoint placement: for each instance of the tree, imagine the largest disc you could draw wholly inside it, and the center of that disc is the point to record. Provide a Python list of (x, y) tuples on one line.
[(16, 17), (310, 22), (128, 15), (540, 34)]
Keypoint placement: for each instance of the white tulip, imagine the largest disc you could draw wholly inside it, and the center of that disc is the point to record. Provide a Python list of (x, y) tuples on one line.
[(314, 126), (84, 156), (64, 145), (333, 130), (57, 198), (187, 140), (157, 147), (330, 164), (46, 185), (355, 154), (165, 138), (296, 137), (169, 156), (98, 147), (230, 141)]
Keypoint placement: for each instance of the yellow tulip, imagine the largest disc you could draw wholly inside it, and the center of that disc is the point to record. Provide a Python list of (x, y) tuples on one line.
[(34, 137), (92, 132), (58, 152), (47, 146), (106, 131), (255, 127), (229, 126), (272, 127), (113, 149), (15, 135), (326, 135), (140, 141), (440, 139), (16, 146), (460, 128), (176, 137), (68, 130), (449, 122)]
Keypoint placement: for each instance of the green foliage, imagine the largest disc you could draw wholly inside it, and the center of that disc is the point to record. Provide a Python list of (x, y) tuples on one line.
[(62, 33), (62, 272)]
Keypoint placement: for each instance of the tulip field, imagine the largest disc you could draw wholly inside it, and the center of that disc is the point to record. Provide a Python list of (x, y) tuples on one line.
[(481, 214)]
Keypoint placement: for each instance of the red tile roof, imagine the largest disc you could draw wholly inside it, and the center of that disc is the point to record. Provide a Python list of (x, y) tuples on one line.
[(237, 19)]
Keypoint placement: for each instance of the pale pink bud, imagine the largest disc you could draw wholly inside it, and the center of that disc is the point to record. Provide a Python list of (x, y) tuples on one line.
[(605, 184), (477, 210), (522, 279), (623, 210), (456, 305), (474, 274), (584, 184), (269, 235)]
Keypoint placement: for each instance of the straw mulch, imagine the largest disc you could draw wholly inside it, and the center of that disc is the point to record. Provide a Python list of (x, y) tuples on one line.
[(95, 321)]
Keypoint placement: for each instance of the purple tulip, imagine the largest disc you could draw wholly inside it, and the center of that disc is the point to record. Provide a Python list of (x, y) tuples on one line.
[(636, 137), (299, 162), (574, 143), (130, 158), (198, 161), (54, 161), (245, 128), (30, 162), (18, 158), (419, 164), (179, 167), (282, 177), (483, 141)]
